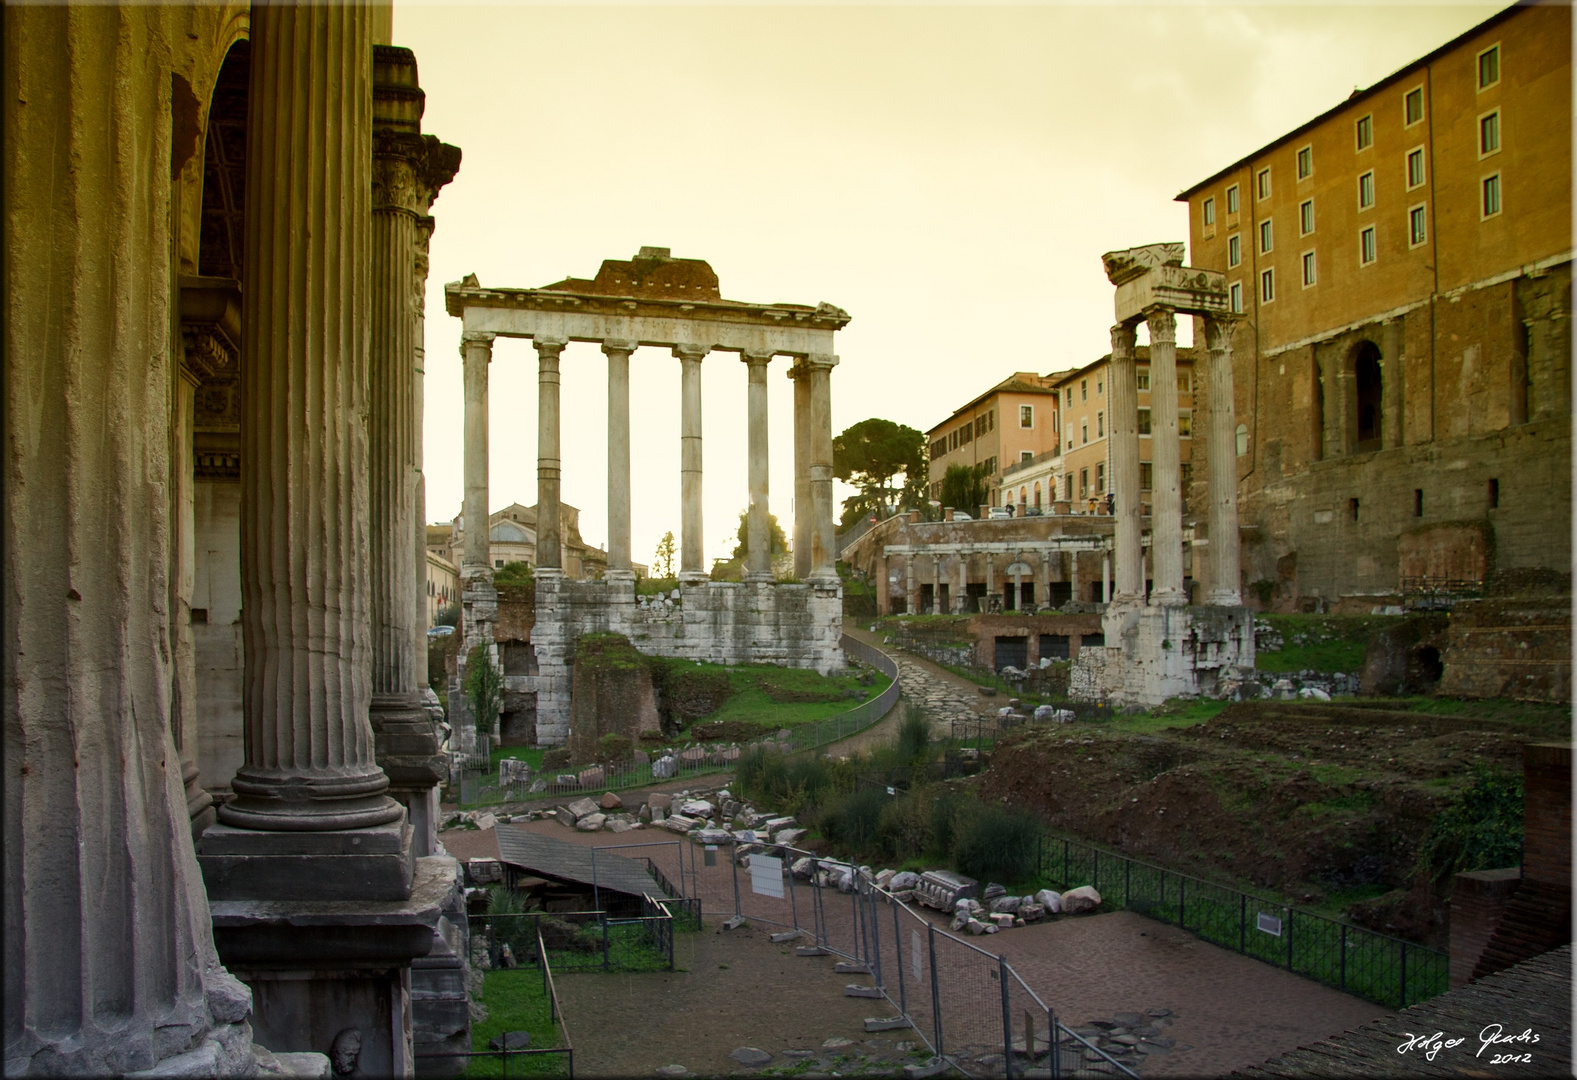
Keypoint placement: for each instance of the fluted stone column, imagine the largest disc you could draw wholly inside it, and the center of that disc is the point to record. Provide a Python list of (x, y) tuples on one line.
[(911, 586), (823, 538), (961, 597), (550, 548), (1167, 522), (476, 349), (991, 575), (306, 617), (936, 585), (1225, 589), (803, 517), (408, 169), (758, 559), (618, 354), (1125, 466), (692, 559), (1073, 575)]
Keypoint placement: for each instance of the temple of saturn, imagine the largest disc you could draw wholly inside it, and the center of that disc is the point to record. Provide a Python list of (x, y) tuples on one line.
[(656, 301), (1163, 647)]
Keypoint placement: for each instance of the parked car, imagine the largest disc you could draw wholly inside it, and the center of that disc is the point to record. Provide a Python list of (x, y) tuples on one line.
[(1001, 512), (959, 515), (440, 631), (1033, 511)]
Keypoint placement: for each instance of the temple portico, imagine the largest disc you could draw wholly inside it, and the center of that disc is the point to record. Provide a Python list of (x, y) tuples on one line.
[(655, 301), (1163, 647)]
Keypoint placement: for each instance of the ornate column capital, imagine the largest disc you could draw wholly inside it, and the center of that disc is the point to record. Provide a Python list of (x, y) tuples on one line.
[(1124, 336), (617, 346), (1219, 330), (1163, 324), (690, 352), (548, 347), (754, 357)]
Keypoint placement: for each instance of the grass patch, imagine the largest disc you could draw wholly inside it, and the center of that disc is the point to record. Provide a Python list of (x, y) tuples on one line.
[(1176, 713), (1540, 718), (516, 1001), (1324, 643), (774, 697)]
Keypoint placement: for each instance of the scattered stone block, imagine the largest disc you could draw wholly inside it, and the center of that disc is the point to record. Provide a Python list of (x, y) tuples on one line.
[(665, 767), (680, 824), (1080, 900), (1003, 920), (837, 1043), (1050, 900), (1031, 912), (904, 879), (803, 868), (708, 835), (565, 817), (610, 801), (1008, 904), (887, 1023), (697, 808), (487, 821), (884, 878), (581, 807), (751, 1057), (591, 822), (672, 1070), (788, 837)]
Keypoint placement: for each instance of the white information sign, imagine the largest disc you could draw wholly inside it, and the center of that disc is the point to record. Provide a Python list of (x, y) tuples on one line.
[(1269, 924), (766, 875)]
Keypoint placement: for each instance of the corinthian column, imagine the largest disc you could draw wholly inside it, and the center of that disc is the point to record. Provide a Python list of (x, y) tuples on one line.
[(1223, 550), (1167, 523), (758, 560), (1125, 467), (407, 171), (618, 353), (305, 617), (550, 548), (692, 566), (823, 540)]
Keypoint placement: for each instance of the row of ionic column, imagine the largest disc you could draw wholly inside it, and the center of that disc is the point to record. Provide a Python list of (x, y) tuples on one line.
[(1166, 491), (814, 538)]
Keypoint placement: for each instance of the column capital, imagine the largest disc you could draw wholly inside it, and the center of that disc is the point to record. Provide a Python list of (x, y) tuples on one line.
[(1124, 335), (1163, 323), (612, 346), (685, 351), (1219, 330), (548, 346), (754, 356), (477, 337)]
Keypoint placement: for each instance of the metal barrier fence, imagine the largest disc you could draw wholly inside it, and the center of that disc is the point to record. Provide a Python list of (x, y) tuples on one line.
[(477, 788), (540, 953), (968, 1006), (575, 940), (1383, 969)]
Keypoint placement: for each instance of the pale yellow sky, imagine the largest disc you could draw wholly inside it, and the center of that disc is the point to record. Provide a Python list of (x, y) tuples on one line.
[(950, 176)]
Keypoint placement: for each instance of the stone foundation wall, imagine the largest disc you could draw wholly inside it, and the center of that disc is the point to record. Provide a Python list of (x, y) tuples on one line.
[(1517, 648), (1478, 900), (715, 622)]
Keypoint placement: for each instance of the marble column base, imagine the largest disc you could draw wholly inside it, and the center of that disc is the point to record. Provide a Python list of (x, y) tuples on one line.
[(760, 577), (347, 865), (319, 968), (694, 576)]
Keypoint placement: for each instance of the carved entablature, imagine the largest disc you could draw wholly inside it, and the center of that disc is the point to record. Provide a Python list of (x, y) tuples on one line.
[(1123, 266), (211, 360), (1184, 289)]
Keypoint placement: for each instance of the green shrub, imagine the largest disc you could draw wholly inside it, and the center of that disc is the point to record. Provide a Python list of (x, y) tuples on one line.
[(942, 822), (1481, 830), (613, 748), (852, 819), (556, 758), (995, 843), (905, 823), (914, 736), (484, 687)]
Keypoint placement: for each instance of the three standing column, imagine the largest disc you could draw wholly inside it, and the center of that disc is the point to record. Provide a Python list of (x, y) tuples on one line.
[(1225, 589), (1125, 467), (618, 354), (550, 548), (1167, 521), (476, 351), (692, 566), (758, 557)]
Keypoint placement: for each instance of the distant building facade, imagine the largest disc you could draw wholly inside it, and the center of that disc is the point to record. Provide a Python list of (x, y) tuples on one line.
[(512, 537), (443, 586), (1013, 421), (1403, 367), (1085, 396)]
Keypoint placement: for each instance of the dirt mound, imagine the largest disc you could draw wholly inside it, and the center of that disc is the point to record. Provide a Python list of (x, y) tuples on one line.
[(1327, 804)]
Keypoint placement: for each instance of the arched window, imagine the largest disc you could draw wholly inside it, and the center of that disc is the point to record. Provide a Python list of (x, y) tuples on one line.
[(1370, 384), (1037, 494), (1242, 437)]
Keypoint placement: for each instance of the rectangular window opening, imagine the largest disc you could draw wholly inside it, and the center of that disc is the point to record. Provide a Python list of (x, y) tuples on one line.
[(1489, 134), (1232, 199), (1143, 421), (1491, 203), (1418, 502), (1234, 250), (1413, 106), (1366, 252), (1493, 494), (1308, 269), (1146, 475), (1185, 424), (1267, 286), (1210, 211), (1100, 425), (1026, 416), (1417, 226), (1415, 167), (1366, 190), (1489, 67), (1262, 183), (1305, 163), (1266, 237), (1141, 379), (1236, 293), (1306, 217), (1365, 131), (1352, 509)]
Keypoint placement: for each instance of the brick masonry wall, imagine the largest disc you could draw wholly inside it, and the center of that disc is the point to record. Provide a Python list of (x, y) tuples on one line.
[(1478, 900), (1547, 814), (1518, 648)]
